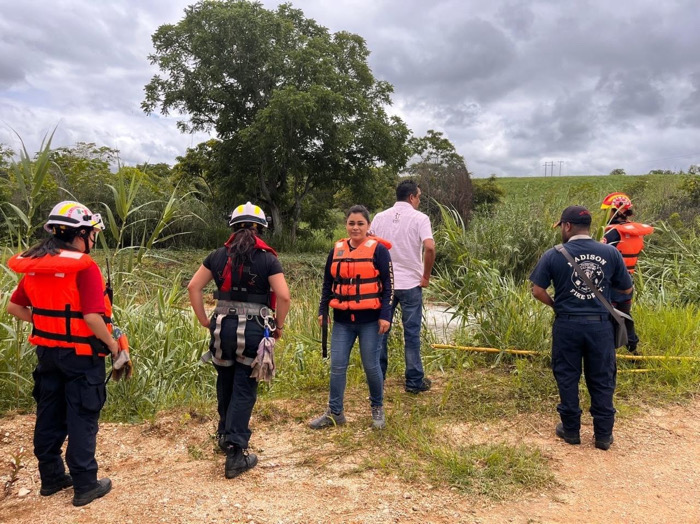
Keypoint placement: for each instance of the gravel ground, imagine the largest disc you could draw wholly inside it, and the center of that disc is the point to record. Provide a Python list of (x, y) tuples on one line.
[(167, 471)]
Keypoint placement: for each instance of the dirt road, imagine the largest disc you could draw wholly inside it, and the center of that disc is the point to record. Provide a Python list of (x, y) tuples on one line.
[(167, 472)]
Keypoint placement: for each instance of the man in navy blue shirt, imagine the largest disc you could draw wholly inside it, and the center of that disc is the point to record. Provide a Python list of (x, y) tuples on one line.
[(583, 328)]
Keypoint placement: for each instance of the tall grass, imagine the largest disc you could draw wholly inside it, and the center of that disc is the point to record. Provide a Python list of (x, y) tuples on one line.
[(492, 295), (482, 273), (166, 344), (29, 177), (669, 268), (16, 356), (166, 341)]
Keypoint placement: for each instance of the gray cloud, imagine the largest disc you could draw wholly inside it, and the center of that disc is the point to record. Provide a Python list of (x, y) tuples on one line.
[(513, 83), (633, 94), (690, 106), (463, 57), (518, 18)]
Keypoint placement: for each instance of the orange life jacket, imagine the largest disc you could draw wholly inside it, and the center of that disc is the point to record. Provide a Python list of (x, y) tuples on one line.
[(631, 241), (50, 284), (356, 281)]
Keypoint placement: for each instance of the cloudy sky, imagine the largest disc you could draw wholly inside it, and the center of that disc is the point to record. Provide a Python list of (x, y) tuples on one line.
[(591, 85)]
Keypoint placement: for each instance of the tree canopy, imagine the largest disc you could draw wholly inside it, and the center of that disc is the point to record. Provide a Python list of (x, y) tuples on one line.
[(297, 108), (442, 174)]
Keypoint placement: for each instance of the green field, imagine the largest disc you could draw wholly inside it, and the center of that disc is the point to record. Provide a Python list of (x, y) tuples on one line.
[(481, 272)]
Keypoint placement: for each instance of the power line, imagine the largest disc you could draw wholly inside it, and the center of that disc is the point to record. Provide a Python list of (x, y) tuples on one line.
[(550, 165)]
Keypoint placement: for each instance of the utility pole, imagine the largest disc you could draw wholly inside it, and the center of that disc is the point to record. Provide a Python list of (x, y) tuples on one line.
[(560, 163), (550, 165)]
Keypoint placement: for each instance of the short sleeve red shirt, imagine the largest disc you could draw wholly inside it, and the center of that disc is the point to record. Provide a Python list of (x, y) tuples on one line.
[(89, 282), (19, 296)]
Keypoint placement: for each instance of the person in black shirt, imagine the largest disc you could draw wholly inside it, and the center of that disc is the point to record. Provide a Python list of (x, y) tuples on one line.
[(250, 284), (358, 285), (583, 328)]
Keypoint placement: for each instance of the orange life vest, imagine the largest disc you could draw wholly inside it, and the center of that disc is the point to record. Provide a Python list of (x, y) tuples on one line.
[(631, 241), (50, 284), (356, 282)]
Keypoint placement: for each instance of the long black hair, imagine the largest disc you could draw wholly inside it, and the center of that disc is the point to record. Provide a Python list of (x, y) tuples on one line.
[(243, 244), (60, 239)]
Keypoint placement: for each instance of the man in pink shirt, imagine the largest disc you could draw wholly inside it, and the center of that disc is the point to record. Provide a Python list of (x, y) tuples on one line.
[(412, 255)]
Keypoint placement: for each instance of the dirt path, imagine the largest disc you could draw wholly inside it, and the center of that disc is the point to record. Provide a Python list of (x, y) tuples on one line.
[(166, 472)]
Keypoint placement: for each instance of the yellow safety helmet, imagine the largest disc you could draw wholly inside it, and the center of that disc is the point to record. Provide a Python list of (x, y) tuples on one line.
[(248, 213), (70, 214)]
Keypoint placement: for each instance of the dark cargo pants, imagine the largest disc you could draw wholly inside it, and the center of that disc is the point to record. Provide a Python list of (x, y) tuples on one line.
[(70, 392), (236, 393)]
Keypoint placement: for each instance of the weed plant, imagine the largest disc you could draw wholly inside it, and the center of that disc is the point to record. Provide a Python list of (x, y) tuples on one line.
[(482, 274), (491, 293)]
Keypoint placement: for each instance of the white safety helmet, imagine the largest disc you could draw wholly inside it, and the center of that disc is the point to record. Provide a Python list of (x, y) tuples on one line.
[(73, 215), (249, 213)]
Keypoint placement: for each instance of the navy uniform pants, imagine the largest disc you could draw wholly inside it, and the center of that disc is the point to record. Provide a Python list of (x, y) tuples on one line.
[(583, 339), (236, 394), (69, 391)]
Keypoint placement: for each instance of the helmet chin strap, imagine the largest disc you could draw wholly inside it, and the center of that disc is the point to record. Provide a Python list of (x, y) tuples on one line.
[(86, 239), (615, 215)]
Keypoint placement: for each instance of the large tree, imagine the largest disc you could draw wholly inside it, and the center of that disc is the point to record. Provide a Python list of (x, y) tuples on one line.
[(297, 108), (198, 169), (442, 174)]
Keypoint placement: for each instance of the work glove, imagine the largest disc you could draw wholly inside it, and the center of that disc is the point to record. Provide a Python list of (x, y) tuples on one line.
[(263, 366), (122, 367)]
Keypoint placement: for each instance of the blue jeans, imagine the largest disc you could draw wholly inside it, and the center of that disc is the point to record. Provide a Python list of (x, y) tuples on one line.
[(593, 342), (411, 301), (342, 340)]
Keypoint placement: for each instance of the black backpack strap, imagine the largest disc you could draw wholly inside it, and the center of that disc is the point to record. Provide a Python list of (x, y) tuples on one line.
[(617, 315)]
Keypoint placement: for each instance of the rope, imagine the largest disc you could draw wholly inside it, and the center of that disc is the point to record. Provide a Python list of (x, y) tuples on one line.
[(530, 352)]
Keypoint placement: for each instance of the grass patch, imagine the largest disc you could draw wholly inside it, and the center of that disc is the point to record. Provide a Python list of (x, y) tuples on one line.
[(418, 444), (482, 272)]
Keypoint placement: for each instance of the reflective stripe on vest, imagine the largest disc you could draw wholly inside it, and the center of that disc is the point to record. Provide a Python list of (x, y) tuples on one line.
[(57, 319), (356, 281)]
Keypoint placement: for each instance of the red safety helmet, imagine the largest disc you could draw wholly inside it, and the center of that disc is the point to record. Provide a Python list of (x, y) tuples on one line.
[(620, 202)]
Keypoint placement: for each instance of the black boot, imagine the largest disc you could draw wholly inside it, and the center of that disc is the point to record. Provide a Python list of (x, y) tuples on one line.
[(238, 461), (100, 490), (569, 438), (604, 442), (66, 481), (222, 446)]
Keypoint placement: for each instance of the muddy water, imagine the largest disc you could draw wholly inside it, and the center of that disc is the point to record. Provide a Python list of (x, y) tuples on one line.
[(440, 320)]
